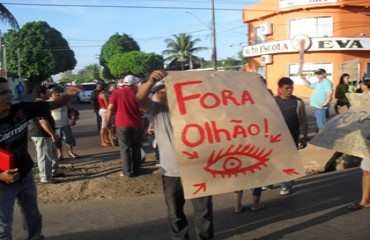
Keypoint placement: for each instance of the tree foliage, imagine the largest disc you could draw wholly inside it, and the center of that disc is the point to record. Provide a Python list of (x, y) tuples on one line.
[(136, 63), (180, 51), (7, 16), (117, 44), (40, 50)]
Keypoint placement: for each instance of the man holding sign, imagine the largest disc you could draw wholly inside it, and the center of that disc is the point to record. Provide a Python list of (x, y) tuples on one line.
[(158, 113)]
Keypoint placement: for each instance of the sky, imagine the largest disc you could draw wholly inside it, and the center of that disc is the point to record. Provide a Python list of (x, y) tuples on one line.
[(88, 24)]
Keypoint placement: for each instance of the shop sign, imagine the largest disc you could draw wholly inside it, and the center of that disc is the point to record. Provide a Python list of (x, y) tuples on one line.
[(293, 3), (314, 44)]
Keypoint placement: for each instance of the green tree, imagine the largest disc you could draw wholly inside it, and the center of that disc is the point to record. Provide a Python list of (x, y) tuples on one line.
[(181, 50), (136, 63), (117, 44), (227, 62), (87, 74), (7, 16), (40, 50)]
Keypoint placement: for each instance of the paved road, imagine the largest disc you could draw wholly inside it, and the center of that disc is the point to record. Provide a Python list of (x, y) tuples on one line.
[(315, 210)]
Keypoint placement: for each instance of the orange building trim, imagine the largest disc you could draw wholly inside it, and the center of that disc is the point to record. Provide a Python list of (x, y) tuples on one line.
[(336, 33)]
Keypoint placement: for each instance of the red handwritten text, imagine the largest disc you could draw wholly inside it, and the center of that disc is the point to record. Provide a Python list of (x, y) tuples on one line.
[(209, 100), (195, 134)]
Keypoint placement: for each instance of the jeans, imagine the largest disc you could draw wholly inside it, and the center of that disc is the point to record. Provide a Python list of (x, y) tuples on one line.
[(203, 215), (321, 115), (24, 191), (129, 140), (47, 162)]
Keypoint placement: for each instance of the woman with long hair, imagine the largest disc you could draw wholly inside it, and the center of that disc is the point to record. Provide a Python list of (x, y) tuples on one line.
[(340, 93), (103, 104)]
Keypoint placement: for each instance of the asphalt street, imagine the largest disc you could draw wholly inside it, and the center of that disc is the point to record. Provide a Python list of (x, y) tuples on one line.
[(316, 209)]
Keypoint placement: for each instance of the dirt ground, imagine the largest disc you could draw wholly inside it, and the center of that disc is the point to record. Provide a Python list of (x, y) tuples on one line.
[(97, 178)]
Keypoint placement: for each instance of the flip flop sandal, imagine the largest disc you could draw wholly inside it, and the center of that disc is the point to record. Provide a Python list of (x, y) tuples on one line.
[(355, 206)]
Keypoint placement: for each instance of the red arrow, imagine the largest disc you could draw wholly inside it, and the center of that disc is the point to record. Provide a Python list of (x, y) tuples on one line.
[(200, 186), (290, 171), (192, 155), (275, 138)]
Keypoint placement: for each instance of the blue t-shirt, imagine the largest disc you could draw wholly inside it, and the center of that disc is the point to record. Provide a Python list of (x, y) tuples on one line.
[(322, 89)]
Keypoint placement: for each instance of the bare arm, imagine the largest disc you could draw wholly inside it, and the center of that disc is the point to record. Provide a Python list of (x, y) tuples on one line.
[(144, 90), (306, 82), (110, 111), (304, 124), (64, 99), (47, 128), (329, 97)]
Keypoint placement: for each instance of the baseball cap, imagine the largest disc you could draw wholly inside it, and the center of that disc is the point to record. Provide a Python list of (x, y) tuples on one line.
[(131, 80), (320, 71), (158, 86)]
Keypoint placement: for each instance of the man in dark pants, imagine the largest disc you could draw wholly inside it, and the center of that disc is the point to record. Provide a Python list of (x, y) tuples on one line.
[(128, 125), (294, 113), (172, 185)]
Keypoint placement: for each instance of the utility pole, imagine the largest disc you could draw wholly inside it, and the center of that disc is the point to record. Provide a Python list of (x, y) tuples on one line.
[(214, 50)]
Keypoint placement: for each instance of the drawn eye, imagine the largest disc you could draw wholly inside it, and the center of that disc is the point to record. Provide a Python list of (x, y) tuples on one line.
[(242, 159)]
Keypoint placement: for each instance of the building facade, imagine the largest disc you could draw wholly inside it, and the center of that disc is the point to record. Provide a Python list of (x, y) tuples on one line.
[(286, 35)]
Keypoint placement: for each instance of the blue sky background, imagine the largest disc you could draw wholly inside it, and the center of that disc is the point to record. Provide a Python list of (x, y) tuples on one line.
[(87, 28)]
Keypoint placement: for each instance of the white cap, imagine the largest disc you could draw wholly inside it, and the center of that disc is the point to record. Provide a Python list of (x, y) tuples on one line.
[(130, 80)]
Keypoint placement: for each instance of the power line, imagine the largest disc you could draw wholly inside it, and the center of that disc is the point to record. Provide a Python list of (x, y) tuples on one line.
[(118, 6)]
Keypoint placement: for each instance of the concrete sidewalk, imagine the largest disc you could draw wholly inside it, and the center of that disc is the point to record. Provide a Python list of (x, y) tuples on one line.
[(315, 210)]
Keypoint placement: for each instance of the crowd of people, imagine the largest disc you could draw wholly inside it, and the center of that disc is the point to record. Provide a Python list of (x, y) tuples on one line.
[(120, 110)]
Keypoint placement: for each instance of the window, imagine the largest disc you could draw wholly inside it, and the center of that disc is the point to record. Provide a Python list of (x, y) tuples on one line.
[(258, 37), (261, 70), (312, 27)]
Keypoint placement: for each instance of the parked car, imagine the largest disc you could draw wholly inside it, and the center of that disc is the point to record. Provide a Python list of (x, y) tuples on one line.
[(87, 88)]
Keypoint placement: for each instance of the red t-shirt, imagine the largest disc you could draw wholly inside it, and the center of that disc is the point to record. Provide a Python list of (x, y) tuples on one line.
[(101, 101), (127, 109)]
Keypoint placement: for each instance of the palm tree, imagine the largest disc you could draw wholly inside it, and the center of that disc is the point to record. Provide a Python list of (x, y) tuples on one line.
[(181, 50), (7, 16)]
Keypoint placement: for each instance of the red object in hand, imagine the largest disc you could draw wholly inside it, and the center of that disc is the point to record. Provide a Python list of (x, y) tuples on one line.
[(6, 160)]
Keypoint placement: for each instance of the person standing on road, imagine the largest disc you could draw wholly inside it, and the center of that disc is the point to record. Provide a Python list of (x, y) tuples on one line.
[(63, 127), (321, 96), (256, 200), (95, 103), (128, 125), (105, 137), (365, 166), (158, 113), (340, 93), (294, 113), (18, 183), (43, 135), (20, 91)]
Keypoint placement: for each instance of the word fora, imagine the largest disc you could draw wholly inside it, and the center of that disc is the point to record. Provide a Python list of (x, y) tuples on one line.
[(209, 100)]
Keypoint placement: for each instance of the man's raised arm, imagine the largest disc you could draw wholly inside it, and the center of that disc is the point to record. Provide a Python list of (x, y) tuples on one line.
[(64, 99), (145, 88)]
